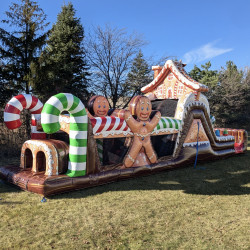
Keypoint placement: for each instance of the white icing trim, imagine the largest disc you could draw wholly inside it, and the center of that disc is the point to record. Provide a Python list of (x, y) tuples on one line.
[(165, 130), (181, 75), (49, 152), (225, 138), (195, 143), (107, 133)]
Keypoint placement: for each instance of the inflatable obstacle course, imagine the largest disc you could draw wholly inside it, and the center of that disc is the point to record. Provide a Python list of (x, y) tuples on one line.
[(96, 145)]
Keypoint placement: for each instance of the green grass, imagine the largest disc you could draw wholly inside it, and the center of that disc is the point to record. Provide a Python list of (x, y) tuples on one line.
[(185, 209)]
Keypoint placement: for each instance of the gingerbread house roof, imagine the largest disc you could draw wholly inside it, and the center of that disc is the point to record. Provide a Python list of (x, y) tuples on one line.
[(177, 68)]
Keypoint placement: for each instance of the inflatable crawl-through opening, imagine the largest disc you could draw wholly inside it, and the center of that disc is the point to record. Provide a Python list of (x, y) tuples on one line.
[(165, 128)]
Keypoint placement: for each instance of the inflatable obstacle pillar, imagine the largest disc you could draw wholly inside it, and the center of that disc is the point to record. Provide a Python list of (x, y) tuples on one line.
[(78, 128)]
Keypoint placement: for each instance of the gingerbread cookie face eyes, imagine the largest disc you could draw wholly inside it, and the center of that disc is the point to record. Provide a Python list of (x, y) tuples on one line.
[(143, 108), (101, 106)]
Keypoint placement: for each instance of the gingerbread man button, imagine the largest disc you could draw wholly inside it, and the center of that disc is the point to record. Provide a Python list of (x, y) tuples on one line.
[(142, 128)]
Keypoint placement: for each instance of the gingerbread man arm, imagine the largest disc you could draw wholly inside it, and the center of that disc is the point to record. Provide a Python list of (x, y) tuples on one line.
[(154, 121), (129, 119)]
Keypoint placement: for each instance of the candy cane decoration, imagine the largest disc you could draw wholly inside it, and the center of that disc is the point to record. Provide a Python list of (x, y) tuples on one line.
[(14, 107), (78, 128)]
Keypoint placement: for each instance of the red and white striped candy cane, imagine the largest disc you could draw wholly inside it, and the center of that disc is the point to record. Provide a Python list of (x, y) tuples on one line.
[(109, 125), (14, 107)]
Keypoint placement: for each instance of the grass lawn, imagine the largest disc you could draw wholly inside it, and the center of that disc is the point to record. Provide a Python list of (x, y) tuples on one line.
[(186, 209)]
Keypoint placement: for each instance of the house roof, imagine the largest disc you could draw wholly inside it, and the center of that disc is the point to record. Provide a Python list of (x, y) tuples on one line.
[(179, 72)]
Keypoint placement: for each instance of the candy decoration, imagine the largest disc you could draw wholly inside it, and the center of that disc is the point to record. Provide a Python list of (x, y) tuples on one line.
[(78, 128), (168, 123), (217, 132), (109, 125), (14, 107), (225, 132)]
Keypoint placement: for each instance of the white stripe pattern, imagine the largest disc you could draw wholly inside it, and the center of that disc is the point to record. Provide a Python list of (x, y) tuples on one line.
[(76, 119), (117, 122), (70, 100), (79, 107), (28, 100), (107, 125), (38, 106), (55, 102), (97, 125), (77, 150), (76, 135), (77, 166), (8, 117), (14, 102), (48, 118), (105, 131)]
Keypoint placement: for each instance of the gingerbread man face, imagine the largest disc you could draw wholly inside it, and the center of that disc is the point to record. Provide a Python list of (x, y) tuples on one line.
[(143, 108), (100, 106)]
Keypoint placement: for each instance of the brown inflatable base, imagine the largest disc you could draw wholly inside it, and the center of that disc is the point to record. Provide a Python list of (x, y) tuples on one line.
[(46, 186)]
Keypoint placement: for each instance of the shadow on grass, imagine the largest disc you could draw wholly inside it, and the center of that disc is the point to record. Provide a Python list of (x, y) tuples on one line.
[(6, 187), (9, 203), (225, 177)]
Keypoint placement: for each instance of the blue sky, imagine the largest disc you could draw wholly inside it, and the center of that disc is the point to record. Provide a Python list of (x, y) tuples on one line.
[(192, 30)]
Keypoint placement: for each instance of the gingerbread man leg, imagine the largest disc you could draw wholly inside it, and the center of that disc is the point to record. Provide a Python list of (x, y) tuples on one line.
[(150, 152), (133, 152)]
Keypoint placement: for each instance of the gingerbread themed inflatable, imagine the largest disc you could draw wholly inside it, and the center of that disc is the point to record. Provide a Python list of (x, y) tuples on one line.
[(141, 127), (168, 127), (98, 106)]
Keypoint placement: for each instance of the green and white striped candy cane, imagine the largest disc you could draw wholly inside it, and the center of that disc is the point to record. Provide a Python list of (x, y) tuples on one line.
[(78, 128)]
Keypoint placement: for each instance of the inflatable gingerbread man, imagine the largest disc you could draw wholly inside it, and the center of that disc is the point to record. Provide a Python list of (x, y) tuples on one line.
[(98, 106), (141, 128)]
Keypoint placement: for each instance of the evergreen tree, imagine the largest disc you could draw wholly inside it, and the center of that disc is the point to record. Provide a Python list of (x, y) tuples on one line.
[(139, 75), (7, 88), (205, 75), (20, 47), (62, 66), (230, 100), (229, 95), (195, 73)]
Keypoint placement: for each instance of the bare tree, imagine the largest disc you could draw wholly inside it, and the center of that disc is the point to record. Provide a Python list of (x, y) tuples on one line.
[(110, 52)]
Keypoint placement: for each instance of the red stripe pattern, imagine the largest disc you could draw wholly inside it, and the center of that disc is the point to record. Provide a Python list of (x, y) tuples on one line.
[(109, 125), (14, 107)]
